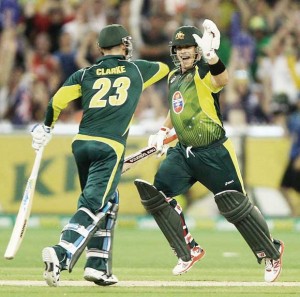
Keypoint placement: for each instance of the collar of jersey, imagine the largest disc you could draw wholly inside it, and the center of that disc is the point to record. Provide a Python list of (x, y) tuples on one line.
[(111, 57)]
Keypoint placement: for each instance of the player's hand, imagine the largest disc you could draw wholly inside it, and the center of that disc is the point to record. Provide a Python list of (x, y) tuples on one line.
[(210, 40), (41, 135), (157, 140)]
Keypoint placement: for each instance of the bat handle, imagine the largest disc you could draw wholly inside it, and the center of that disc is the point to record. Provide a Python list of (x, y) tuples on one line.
[(170, 139), (37, 161)]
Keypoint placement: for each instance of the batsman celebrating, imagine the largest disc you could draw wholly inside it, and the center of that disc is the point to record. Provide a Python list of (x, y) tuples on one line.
[(203, 154), (109, 91)]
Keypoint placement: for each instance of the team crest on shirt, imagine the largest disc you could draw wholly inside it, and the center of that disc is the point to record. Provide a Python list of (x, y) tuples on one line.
[(177, 102)]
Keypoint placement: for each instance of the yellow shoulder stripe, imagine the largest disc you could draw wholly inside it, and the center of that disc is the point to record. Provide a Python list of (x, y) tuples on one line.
[(162, 72)]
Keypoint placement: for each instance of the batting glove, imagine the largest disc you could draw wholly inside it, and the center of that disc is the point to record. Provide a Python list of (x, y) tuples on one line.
[(157, 140), (210, 40), (41, 135)]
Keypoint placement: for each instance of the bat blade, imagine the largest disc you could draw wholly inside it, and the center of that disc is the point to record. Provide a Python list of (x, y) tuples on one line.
[(22, 218), (21, 221)]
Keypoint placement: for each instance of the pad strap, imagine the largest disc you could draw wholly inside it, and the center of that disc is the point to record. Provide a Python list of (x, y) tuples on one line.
[(97, 254), (102, 233), (76, 228)]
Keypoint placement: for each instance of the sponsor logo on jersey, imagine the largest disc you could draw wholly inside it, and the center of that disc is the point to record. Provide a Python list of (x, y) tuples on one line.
[(172, 79), (229, 182), (177, 102)]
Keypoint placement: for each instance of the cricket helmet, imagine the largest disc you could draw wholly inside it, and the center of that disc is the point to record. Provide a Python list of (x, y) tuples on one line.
[(113, 35), (183, 36)]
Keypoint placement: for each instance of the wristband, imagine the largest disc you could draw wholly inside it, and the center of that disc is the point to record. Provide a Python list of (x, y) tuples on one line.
[(216, 69)]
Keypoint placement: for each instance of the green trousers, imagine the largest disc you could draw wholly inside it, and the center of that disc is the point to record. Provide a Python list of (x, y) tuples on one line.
[(99, 166), (215, 167)]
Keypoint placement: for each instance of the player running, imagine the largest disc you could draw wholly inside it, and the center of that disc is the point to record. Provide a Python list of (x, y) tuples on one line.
[(109, 92), (203, 154)]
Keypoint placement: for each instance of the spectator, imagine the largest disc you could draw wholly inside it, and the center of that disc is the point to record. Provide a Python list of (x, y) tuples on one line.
[(155, 47), (281, 84), (79, 26), (262, 34), (9, 9), (291, 176), (49, 19), (66, 56), (243, 103), (15, 97), (42, 64), (87, 51)]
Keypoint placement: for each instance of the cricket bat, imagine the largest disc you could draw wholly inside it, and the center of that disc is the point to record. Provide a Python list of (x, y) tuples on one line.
[(24, 210), (142, 154), (26, 203)]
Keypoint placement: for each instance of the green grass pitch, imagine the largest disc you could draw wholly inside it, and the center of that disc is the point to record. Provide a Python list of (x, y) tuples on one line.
[(143, 255)]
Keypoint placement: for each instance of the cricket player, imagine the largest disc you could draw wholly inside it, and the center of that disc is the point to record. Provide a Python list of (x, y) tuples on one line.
[(203, 154), (109, 92)]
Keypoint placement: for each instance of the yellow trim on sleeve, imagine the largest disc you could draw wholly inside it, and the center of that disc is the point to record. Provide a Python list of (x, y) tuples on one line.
[(291, 62), (171, 73), (116, 146), (207, 81), (206, 101), (62, 98), (162, 72)]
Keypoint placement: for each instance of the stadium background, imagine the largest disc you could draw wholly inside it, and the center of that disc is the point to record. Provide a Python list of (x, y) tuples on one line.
[(262, 159), (43, 41), (260, 46)]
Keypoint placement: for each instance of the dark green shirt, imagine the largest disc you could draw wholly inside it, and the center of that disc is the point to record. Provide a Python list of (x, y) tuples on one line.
[(109, 91), (194, 106)]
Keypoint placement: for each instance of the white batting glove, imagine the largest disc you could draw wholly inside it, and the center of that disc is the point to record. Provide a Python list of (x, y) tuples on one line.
[(157, 140), (210, 40), (41, 135)]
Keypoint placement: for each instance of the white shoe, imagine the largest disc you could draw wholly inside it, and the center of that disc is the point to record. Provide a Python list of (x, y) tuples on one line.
[(52, 269), (274, 267), (197, 254), (99, 277)]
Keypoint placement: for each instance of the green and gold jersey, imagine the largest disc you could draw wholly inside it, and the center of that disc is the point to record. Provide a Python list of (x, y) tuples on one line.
[(109, 92), (194, 106)]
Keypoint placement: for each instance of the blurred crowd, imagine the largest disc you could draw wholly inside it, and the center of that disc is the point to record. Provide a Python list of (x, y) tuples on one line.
[(42, 42)]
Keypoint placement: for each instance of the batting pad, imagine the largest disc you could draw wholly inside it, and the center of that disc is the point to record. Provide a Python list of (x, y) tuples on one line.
[(78, 232), (238, 210), (166, 217), (99, 248)]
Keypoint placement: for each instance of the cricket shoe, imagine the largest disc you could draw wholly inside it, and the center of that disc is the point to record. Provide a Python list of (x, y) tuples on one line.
[(274, 267), (197, 253), (100, 278), (52, 269)]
